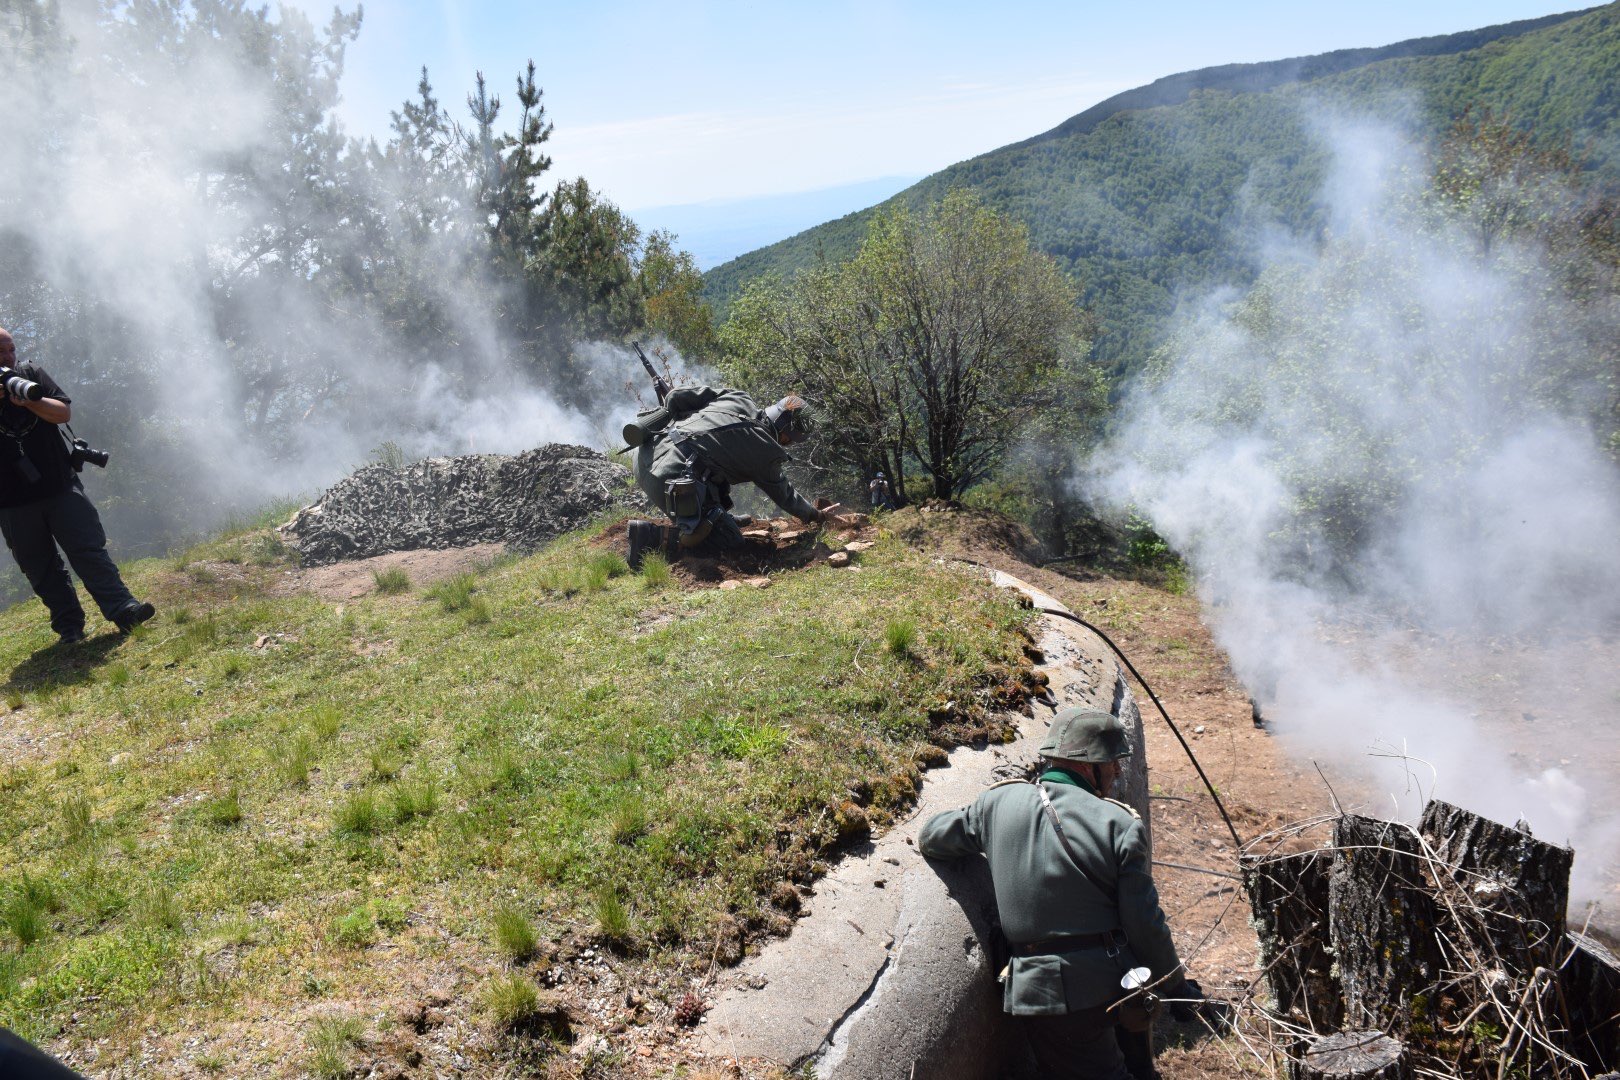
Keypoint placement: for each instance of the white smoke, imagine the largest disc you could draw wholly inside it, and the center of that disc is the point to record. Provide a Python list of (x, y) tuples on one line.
[(134, 211), (1383, 469)]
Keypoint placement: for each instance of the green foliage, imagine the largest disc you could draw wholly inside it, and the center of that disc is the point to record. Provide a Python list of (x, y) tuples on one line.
[(900, 638), (937, 343), (511, 1002), (359, 815), (612, 918), (456, 593), (332, 1040)]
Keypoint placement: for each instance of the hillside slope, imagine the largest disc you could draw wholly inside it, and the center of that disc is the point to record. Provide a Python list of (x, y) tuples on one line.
[(1162, 190)]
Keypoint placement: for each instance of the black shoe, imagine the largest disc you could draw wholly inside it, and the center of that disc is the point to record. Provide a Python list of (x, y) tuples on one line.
[(70, 637), (644, 536), (133, 615)]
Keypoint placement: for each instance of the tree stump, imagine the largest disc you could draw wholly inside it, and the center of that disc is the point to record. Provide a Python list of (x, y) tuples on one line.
[(1518, 884), (1382, 923), (1590, 984), (1288, 894), (1354, 1055)]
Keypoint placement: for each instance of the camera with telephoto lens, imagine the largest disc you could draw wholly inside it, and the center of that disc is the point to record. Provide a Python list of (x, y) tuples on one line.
[(19, 387), (80, 452)]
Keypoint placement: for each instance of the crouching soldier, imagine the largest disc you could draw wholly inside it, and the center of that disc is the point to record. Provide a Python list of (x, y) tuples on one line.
[(693, 447), (1077, 902)]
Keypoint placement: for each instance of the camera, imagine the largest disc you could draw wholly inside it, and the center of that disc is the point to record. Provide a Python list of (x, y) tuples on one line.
[(80, 452), (17, 386)]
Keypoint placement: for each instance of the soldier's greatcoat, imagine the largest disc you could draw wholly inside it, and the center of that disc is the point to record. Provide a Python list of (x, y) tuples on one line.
[(1044, 897), (723, 431)]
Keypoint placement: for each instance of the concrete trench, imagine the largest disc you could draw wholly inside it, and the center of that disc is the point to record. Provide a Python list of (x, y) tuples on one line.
[(886, 978)]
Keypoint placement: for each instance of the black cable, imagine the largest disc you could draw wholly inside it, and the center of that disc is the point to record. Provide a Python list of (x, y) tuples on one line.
[(1155, 697)]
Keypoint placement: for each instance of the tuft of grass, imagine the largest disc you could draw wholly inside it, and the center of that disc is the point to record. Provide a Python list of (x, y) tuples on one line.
[(224, 810), (385, 764), (629, 819), (455, 594), (325, 722), (655, 572), (900, 638), (331, 1041), (392, 581), (514, 934), (512, 1002), (117, 675), (77, 818), (612, 919), (293, 758), (610, 564), (157, 909), (415, 799), (23, 920), (477, 611), (359, 815)]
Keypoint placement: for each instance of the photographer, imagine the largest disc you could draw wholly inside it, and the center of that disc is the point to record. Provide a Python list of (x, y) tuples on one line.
[(43, 504)]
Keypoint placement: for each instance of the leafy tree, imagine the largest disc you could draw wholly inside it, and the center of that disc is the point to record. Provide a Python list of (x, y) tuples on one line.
[(672, 288), (937, 344)]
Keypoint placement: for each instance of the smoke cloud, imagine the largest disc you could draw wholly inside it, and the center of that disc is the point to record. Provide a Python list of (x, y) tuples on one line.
[(1386, 468), (170, 201)]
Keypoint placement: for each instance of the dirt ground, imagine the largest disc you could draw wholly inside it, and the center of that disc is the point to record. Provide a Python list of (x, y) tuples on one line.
[(358, 577)]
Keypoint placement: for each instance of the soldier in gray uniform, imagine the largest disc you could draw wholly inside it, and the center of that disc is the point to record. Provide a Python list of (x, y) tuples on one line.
[(1077, 901), (698, 443)]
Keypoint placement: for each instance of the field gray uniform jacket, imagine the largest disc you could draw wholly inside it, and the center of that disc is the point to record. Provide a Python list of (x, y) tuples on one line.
[(1043, 896), (726, 432)]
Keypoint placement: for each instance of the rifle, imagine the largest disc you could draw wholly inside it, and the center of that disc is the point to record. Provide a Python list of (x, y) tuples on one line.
[(660, 384)]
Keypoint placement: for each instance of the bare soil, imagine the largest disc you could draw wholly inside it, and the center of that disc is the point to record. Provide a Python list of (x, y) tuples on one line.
[(358, 577)]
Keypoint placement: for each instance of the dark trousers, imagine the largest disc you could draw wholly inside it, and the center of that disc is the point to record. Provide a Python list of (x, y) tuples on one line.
[(1075, 1046), (34, 531)]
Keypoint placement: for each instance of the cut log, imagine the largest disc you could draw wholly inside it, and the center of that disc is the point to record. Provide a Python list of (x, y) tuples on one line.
[(1288, 895), (1518, 884), (1354, 1055), (1382, 923), (1590, 983)]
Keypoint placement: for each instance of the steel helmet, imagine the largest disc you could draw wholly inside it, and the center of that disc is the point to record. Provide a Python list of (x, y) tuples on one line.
[(790, 419), (1090, 735)]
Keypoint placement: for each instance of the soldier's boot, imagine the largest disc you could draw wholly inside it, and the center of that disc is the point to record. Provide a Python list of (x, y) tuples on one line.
[(1137, 1047), (644, 536)]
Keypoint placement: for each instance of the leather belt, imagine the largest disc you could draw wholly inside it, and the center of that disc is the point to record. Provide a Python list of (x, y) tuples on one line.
[(1113, 940)]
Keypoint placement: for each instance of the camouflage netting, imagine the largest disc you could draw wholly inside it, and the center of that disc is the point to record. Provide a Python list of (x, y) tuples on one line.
[(523, 501)]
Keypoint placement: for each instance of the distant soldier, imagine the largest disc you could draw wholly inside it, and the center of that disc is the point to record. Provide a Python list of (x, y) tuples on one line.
[(882, 499), (698, 443), (1077, 902)]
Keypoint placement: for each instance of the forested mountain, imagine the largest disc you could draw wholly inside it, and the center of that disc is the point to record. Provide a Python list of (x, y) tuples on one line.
[(1160, 191)]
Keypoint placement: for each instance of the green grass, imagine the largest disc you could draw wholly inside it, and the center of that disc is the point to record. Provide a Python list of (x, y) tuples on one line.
[(332, 1041), (392, 581), (199, 849), (655, 572), (900, 637), (513, 933), (512, 1002)]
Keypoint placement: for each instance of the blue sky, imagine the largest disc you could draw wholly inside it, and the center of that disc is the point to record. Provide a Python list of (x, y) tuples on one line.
[(661, 104)]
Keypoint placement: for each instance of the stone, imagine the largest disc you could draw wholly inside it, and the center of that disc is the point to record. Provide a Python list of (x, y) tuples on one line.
[(758, 582), (730, 583), (858, 546), (523, 501), (838, 558)]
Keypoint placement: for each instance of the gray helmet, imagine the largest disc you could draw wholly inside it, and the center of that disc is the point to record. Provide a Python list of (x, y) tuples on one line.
[(790, 418), (1090, 735)]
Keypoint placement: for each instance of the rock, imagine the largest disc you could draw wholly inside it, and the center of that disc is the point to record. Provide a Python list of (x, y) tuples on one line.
[(859, 546), (524, 501), (758, 582), (730, 583), (838, 558)]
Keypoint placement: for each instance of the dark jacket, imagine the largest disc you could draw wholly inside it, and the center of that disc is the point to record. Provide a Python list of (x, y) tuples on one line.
[(1042, 895)]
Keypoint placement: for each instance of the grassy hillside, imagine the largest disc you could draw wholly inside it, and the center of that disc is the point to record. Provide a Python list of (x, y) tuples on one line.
[(1159, 191), (264, 834)]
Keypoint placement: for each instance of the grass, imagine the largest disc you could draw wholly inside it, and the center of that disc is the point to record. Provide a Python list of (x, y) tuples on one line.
[(631, 784), (655, 572), (392, 581), (514, 934), (900, 638), (512, 1002)]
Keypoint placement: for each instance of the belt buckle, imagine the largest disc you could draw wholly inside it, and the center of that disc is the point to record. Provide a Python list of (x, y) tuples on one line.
[(1116, 945)]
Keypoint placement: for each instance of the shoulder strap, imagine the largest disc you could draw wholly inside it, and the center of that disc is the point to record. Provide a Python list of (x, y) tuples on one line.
[(1063, 838)]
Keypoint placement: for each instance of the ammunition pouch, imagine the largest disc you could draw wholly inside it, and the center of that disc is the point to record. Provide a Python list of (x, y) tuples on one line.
[(684, 499), (646, 424)]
